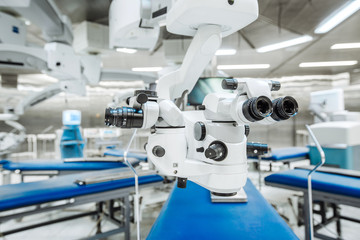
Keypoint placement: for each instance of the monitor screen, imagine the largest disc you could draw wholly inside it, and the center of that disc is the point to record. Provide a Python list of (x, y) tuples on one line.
[(203, 87)]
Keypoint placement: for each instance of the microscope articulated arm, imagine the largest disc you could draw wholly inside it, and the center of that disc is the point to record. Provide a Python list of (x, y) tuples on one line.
[(206, 42)]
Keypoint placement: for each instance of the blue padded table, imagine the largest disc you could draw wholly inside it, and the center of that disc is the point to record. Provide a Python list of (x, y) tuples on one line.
[(327, 187), (190, 214), (64, 189), (120, 153), (59, 166), (281, 154), (321, 181)]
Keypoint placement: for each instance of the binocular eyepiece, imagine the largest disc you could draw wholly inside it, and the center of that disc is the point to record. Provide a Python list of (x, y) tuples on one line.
[(124, 117), (258, 108), (284, 108)]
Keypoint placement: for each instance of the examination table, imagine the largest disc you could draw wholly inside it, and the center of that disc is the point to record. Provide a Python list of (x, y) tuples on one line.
[(190, 214), (65, 192), (330, 187)]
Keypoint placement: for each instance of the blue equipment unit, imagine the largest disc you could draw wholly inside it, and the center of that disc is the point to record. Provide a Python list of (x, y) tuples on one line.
[(190, 214), (347, 157), (72, 143)]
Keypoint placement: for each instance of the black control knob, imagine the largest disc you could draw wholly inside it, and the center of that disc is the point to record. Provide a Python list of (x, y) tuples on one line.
[(158, 151), (142, 98), (199, 131), (216, 151), (229, 83)]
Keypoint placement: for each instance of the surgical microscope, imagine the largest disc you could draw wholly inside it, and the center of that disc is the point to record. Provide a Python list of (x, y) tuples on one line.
[(207, 146)]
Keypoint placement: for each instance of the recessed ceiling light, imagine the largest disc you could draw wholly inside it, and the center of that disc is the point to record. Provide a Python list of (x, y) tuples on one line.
[(126, 50), (225, 52), (285, 44), (328, 64), (338, 16), (146, 69), (346, 45), (243, 66)]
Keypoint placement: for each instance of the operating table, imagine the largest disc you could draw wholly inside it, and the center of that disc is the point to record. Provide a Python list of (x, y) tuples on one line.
[(286, 155), (330, 187), (54, 168), (190, 214), (66, 192)]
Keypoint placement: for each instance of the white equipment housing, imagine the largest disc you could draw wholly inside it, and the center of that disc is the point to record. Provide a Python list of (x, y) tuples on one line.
[(12, 30), (337, 133), (125, 27)]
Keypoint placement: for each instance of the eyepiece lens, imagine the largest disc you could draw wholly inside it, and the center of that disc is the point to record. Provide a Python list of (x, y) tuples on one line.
[(256, 109), (284, 108), (263, 107)]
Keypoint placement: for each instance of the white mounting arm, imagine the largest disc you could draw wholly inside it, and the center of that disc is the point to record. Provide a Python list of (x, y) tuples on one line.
[(37, 98), (203, 47)]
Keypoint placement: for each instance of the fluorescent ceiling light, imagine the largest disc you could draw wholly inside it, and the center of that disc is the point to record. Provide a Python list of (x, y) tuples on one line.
[(285, 44), (146, 69), (346, 45), (328, 64), (338, 17), (225, 52), (126, 50), (243, 66)]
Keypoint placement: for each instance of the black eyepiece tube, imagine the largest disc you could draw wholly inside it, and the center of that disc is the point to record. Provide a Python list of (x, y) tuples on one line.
[(284, 108), (229, 83), (124, 117), (257, 108), (275, 86)]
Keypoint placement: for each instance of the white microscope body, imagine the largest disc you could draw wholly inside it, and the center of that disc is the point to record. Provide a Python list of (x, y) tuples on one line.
[(208, 147)]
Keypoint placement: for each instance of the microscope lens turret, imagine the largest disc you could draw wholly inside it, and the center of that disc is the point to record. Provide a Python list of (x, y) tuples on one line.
[(124, 117)]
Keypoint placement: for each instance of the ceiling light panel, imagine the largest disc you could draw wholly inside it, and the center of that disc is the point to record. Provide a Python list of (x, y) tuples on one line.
[(328, 64)]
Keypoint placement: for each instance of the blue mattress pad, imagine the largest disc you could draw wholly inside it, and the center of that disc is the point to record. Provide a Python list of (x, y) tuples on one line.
[(60, 166), (281, 154), (190, 214), (26, 194), (324, 182)]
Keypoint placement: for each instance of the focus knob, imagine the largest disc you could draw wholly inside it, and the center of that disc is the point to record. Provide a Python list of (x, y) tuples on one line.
[(158, 151), (199, 131), (216, 151)]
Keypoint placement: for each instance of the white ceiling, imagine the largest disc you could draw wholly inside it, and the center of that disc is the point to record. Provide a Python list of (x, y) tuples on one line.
[(279, 20)]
